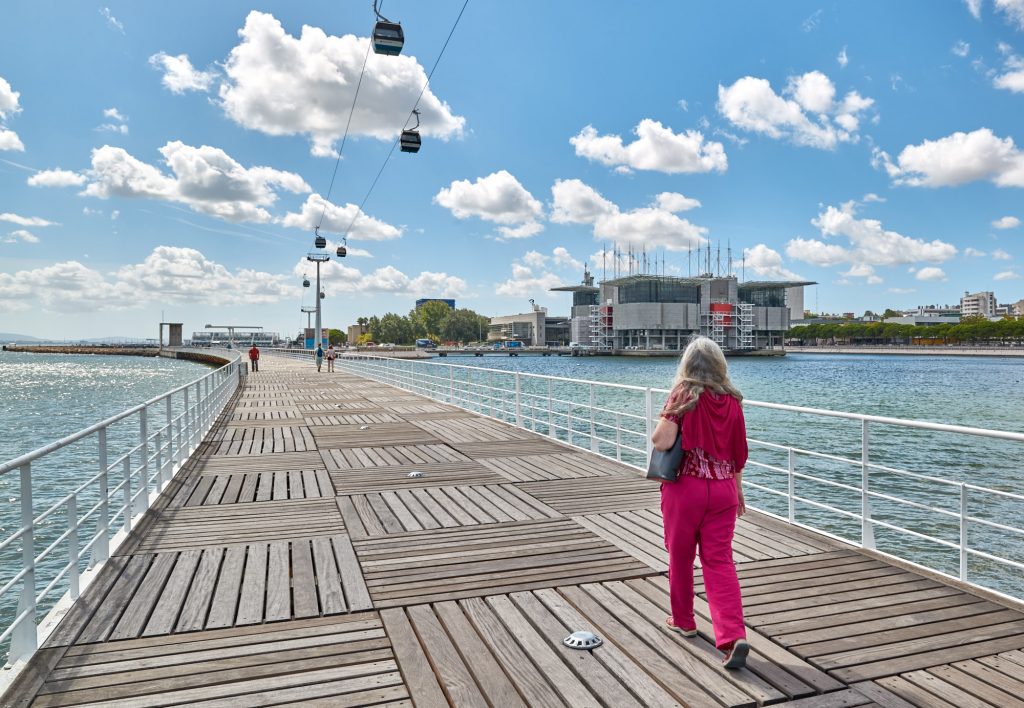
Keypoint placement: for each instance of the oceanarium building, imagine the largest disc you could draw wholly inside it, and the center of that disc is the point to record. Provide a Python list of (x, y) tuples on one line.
[(652, 313)]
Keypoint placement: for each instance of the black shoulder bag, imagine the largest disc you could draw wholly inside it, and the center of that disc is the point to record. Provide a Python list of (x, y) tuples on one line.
[(664, 465)]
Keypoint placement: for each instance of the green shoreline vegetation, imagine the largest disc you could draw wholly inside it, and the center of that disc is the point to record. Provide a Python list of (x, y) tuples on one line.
[(970, 330)]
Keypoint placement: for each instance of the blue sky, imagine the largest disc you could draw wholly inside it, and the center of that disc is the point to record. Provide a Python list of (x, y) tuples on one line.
[(173, 158)]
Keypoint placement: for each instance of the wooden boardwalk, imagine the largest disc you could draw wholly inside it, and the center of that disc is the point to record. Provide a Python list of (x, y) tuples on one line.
[(294, 562)]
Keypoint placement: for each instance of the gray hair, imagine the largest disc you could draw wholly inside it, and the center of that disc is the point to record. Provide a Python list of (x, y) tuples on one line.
[(702, 367)]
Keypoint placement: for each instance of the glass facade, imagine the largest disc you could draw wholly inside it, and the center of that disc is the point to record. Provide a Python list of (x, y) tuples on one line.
[(579, 298), (656, 290), (764, 297)]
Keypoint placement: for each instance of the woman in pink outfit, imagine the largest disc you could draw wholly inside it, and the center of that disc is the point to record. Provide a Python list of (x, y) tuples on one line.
[(701, 507)]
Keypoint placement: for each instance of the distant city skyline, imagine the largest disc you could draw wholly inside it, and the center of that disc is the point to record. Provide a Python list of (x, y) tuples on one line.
[(177, 158)]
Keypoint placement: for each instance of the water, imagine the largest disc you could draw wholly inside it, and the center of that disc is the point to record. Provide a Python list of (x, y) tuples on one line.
[(973, 392), (44, 397)]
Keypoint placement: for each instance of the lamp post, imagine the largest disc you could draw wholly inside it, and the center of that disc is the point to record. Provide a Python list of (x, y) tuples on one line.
[(318, 255)]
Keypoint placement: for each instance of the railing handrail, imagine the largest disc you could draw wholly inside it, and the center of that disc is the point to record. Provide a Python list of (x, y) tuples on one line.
[(17, 462), (886, 420)]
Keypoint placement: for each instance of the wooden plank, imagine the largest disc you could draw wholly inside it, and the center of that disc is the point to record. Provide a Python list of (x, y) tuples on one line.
[(173, 597), (417, 671), (491, 679), (332, 598), (193, 611), (304, 582), (250, 604), (459, 686), (225, 599), (102, 621), (978, 686), (356, 593), (279, 596)]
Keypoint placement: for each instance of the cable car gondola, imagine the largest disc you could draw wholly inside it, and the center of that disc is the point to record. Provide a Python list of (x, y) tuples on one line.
[(305, 282), (322, 294), (410, 141), (320, 241), (342, 251), (388, 37)]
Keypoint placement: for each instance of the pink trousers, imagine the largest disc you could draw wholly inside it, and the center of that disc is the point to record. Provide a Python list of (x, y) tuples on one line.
[(701, 513)]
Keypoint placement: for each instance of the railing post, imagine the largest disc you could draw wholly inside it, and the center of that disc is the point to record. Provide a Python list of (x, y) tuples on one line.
[(648, 419), (73, 555), (618, 437), (451, 384), (186, 430), (593, 427), (791, 486), (519, 412), (551, 425), (127, 493), (24, 639), (101, 549), (159, 462), (171, 458), (963, 532), (144, 467), (867, 529)]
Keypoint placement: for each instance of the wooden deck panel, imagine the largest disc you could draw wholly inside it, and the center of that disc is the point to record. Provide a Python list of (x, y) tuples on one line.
[(242, 582)]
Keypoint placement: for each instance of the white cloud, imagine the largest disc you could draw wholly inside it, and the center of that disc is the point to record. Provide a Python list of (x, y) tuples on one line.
[(972, 252), (656, 148), (21, 235), (25, 220), (1012, 77), (114, 215), (56, 178), (179, 74), (114, 114), (767, 262), (112, 22), (338, 277), (974, 7), (683, 104), (931, 273), (526, 283), (577, 203), (9, 140), (1006, 222), (957, 159), (872, 197), (119, 124), (1014, 11), (842, 58), (1006, 275), (751, 104), (652, 227), (535, 259), (498, 198), (873, 245), (283, 85), (901, 291), (113, 128), (67, 286), (338, 219), (675, 202), (812, 21), (206, 179), (656, 225), (1001, 255), (961, 48), (9, 106), (816, 252), (562, 257)]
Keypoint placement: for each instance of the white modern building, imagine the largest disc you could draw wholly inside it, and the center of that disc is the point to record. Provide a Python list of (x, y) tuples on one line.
[(981, 304)]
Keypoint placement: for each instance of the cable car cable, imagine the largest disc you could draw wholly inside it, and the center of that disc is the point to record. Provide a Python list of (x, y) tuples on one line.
[(414, 107), (348, 123)]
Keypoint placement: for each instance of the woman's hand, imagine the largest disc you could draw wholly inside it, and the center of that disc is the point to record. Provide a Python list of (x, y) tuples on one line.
[(741, 509)]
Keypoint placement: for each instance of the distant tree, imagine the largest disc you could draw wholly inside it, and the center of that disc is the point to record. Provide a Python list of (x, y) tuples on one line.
[(430, 318), (364, 338), (464, 325), (336, 337), (395, 329), (362, 321), (889, 312)]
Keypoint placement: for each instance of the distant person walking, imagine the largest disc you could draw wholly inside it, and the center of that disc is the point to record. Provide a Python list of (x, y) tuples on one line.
[(332, 354), (319, 354), (700, 508), (254, 357)]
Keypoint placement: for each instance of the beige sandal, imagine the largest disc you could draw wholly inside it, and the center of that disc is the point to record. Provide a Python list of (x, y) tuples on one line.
[(675, 628)]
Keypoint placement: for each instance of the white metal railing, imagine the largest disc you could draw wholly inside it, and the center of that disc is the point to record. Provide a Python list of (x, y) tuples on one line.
[(970, 532), (133, 455)]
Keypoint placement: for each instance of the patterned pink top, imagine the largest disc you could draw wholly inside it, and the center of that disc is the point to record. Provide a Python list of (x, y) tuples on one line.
[(698, 463)]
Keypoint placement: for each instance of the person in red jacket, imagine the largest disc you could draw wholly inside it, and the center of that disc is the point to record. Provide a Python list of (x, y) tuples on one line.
[(254, 358), (700, 508)]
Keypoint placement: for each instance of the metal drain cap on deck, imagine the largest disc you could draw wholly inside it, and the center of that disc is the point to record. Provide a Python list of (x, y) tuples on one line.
[(582, 640), (364, 427), (414, 474)]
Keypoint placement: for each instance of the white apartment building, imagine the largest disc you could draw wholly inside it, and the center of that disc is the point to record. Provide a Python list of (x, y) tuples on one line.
[(974, 304)]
